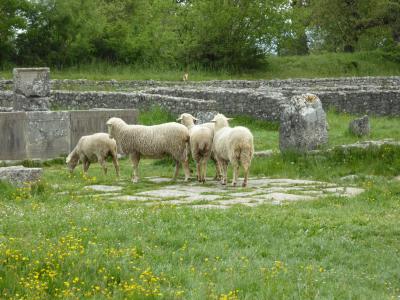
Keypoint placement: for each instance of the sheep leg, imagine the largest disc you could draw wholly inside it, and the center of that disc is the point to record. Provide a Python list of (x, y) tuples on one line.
[(204, 170), (102, 162), (177, 166), (85, 164), (246, 175), (217, 169), (186, 169), (135, 158), (235, 166), (198, 169), (223, 166), (115, 162)]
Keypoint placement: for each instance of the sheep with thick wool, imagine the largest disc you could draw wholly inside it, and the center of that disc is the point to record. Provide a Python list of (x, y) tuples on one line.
[(201, 140), (155, 141), (234, 145), (93, 147)]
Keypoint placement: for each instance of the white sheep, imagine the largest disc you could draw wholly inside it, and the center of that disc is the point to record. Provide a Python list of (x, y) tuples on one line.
[(234, 145), (155, 141), (201, 139), (93, 147)]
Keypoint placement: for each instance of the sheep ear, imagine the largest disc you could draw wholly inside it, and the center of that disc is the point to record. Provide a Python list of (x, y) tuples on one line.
[(179, 119), (195, 119)]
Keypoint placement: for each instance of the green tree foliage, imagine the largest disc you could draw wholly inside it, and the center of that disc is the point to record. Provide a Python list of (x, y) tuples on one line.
[(233, 34), (11, 21)]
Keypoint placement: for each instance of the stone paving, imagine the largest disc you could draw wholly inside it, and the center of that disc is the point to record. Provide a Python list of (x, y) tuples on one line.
[(214, 195)]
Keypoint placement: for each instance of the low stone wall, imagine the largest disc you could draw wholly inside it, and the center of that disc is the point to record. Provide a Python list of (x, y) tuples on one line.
[(6, 98), (263, 99), (44, 134), (86, 100)]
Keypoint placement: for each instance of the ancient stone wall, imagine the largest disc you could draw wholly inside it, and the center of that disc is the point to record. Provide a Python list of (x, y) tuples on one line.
[(45, 134), (262, 99)]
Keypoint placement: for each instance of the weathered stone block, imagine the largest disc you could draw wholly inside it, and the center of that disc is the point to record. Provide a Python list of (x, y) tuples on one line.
[(360, 127), (47, 134), (85, 122), (205, 116), (19, 175), (32, 82), (12, 135), (23, 103), (303, 124)]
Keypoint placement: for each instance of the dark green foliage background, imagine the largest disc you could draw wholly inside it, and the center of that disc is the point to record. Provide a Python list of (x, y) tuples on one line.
[(188, 34)]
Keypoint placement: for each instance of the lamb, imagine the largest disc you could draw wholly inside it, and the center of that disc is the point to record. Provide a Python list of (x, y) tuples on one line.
[(155, 141), (91, 147), (201, 139), (234, 145)]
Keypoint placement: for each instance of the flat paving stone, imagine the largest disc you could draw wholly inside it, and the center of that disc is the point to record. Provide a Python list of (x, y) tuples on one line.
[(202, 197), (165, 193), (210, 206), (238, 201), (103, 188), (286, 197), (274, 191), (132, 198), (158, 179)]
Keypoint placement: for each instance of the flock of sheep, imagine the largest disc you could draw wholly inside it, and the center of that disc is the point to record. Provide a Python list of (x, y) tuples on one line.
[(215, 140)]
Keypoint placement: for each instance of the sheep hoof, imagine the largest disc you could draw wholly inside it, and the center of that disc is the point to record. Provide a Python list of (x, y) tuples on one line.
[(135, 180), (244, 184), (233, 183)]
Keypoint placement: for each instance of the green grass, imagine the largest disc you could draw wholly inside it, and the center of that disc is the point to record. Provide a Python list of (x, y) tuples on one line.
[(74, 245), (309, 66)]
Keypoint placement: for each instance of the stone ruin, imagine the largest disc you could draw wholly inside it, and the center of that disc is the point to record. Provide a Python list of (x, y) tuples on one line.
[(303, 124), (19, 175), (31, 89), (360, 127)]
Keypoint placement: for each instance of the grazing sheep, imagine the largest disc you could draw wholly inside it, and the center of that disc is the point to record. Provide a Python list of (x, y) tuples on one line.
[(155, 141), (91, 147), (201, 139), (234, 145)]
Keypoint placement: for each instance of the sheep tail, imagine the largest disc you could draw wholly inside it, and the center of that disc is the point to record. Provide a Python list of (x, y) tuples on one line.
[(203, 147), (244, 154)]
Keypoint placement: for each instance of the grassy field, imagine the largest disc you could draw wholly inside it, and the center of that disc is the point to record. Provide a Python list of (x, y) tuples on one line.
[(57, 241), (309, 66)]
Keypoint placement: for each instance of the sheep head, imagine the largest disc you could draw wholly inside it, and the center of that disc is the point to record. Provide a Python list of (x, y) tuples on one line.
[(111, 123), (186, 119), (220, 121), (72, 160)]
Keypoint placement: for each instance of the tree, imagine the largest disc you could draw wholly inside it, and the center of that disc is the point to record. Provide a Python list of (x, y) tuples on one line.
[(11, 21)]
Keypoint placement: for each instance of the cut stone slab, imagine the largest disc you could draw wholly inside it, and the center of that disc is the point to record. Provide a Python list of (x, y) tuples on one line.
[(193, 189), (165, 193), (274, 191), (132, 198), (265, 153), (239, 201), (23, 103), (285, 197), (104, 188), (19, 175), (347, 191), (202, 197), (32, 82), (159, 179)]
